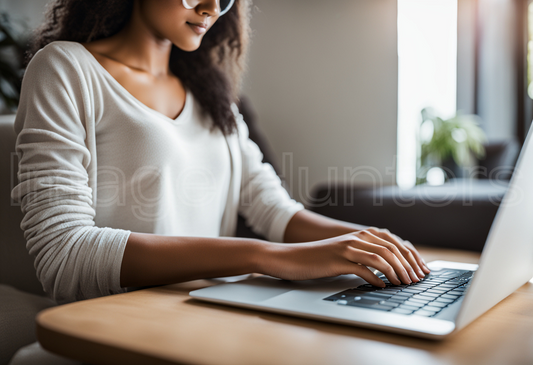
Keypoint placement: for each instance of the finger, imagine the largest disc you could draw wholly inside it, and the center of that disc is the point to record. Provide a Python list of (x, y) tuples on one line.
[(418, 257), (365, 273), (393, 248), (374, 260), (420, 260), (389, 256), (406, 252)]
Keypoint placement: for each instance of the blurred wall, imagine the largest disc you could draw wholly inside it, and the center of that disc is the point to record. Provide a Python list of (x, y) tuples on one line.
[(28, 11), (323, 76)]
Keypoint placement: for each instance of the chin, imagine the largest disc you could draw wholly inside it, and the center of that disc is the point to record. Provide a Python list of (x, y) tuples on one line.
[(188, 46)]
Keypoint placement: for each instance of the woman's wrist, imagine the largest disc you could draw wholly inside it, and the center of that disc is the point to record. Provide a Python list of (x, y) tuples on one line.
[(267, 255), (255, 251)]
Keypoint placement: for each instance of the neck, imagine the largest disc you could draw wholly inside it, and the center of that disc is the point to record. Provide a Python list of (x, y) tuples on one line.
[(139, 47)]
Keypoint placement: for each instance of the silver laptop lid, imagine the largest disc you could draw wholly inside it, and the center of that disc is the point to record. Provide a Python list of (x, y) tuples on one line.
[(507, 259)]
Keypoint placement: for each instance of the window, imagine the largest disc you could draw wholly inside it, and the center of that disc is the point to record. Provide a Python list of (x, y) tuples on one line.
[(427, 73)]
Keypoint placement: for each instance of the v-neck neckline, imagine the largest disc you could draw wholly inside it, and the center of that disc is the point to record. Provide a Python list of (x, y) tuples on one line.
[(182, 115)]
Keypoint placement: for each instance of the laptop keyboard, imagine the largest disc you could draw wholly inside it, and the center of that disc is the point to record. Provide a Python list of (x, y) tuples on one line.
[(426, 298)]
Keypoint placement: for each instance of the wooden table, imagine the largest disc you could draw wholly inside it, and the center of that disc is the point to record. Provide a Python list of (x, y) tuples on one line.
[(165, 326)]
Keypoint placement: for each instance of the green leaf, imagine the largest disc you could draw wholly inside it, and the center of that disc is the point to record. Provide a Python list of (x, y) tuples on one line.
[(443, 146)]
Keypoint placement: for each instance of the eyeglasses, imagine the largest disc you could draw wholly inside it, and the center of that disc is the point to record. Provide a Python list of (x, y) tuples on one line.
[(225, 5)]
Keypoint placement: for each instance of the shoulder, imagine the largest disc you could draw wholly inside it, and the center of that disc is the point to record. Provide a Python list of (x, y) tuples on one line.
[(56, 68), (60, 47), (58, 57), (58, 50), (53, 84)]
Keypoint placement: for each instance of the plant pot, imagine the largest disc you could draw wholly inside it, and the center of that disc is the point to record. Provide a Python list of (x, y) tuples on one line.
[(453, 170)]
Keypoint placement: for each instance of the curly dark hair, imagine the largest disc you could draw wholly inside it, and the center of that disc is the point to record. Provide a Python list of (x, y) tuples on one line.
[(212, 73)]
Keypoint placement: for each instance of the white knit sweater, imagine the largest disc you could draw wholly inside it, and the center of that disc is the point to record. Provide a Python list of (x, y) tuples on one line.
[(96, 164)]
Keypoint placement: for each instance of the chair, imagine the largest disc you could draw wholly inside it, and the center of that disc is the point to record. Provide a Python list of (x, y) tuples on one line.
[(21, 294)]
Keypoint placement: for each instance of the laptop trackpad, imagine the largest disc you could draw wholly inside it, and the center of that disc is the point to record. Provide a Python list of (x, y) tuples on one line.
[(255, 290)]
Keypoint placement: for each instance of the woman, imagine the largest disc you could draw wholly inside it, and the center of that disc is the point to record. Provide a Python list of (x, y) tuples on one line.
[(134, 161)]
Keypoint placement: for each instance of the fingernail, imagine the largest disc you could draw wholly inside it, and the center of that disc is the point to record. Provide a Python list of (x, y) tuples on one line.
[(420, 273)]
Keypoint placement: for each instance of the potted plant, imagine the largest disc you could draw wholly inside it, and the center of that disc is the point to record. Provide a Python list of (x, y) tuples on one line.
[(12, 50), (448, 144)]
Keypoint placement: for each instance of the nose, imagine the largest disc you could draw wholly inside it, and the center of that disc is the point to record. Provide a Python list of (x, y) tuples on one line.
[(209, 7)]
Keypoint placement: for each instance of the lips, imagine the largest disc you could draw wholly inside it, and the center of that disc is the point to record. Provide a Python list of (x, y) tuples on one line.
[(199, 28)]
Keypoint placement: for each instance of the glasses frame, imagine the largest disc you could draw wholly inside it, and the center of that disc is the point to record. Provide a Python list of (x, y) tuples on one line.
[(222, 12)]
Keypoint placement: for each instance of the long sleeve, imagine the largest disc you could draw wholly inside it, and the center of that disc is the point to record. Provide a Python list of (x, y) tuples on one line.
[(57, 162), (264, 203)]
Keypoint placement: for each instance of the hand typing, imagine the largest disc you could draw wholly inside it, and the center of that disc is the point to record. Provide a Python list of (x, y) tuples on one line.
[(347, 254)]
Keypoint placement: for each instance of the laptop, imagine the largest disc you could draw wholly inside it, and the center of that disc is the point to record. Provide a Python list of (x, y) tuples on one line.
[(445, 301)]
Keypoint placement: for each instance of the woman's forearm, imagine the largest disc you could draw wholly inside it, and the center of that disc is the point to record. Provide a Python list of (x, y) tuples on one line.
[(308, 226), (155, 260)]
